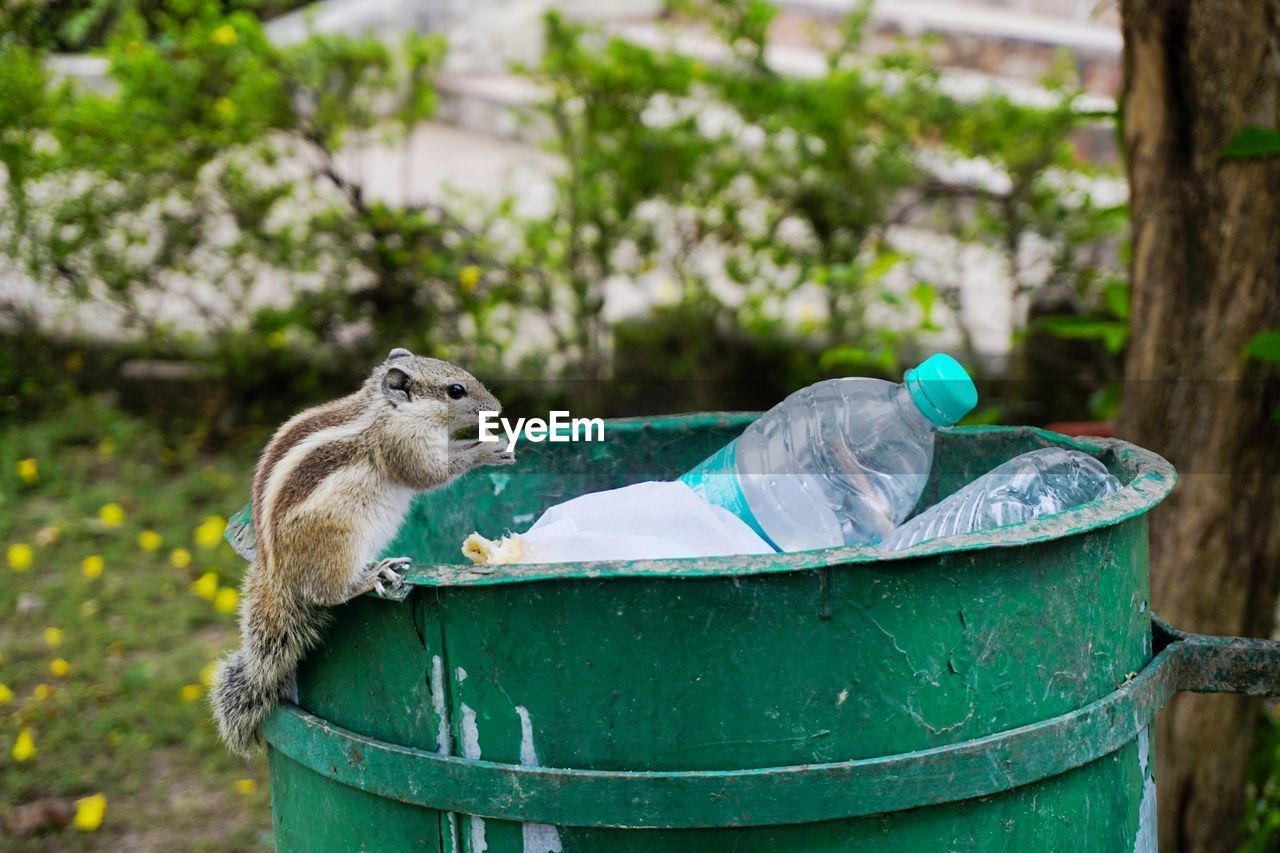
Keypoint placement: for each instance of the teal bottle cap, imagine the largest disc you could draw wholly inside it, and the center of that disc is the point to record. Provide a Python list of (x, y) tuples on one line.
[(941, 389)]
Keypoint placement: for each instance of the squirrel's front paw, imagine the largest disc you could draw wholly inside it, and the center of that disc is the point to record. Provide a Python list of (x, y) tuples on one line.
[(387, 577)]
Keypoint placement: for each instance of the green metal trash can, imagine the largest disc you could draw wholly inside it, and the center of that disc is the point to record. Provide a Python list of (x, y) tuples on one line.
[(992, 693)]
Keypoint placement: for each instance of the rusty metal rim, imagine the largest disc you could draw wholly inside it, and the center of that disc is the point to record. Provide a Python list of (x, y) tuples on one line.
[(1153, 480), (778, 795)]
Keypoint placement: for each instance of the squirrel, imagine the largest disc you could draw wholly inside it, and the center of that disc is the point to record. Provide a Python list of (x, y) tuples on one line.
[(330, 490)]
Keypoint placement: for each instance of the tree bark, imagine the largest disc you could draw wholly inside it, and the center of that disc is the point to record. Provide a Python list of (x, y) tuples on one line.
[(1206, 278)]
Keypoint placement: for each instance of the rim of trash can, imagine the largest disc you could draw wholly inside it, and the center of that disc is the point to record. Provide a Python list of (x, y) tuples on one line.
[(1152, 480)]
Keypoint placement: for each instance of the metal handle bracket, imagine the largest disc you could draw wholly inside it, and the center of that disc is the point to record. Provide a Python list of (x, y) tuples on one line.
[(1208, 664)]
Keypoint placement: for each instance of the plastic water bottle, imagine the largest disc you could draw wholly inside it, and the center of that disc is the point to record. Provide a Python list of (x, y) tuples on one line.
[(841, 462), (1029, 486)]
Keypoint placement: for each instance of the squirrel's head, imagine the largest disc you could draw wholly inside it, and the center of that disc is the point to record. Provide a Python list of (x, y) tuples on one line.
[(426, 393)]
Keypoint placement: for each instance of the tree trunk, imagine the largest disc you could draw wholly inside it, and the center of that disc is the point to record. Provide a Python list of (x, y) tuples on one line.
[(1206, 278)]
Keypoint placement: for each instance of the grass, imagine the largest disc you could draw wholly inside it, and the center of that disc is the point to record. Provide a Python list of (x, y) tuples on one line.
[(129, 718), (1263, 810)]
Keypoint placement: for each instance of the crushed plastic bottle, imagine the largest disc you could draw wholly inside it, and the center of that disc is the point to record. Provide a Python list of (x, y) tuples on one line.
[(1033, 485), (841, 462)]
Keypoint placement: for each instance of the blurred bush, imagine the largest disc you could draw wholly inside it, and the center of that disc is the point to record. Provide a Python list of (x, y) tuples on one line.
[(757, 209), (78, 25)]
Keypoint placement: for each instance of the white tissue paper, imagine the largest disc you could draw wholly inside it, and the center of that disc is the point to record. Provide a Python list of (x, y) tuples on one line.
[(645, 521)]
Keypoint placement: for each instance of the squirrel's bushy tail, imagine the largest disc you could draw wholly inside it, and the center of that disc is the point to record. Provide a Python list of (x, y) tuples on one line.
[(252, 680), (242, 695)]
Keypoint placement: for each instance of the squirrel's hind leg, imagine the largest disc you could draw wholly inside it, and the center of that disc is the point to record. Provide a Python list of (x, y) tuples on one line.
[(335, 573)]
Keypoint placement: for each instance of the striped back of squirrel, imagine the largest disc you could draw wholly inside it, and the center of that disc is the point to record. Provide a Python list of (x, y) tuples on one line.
[(309, 447)]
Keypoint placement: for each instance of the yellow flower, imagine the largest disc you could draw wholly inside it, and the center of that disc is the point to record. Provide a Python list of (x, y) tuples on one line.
[(206, 673), (6, 695), (42, 692), (227, 600), (149, 540), (179, 558), (59, 668), (92, 566), (190, 693), (20, 557), (246, 786), (469, 277), (224, 35), (107, 447), (209, 533), (224, 107), (112, 514), (24, 748), (53, 637), (29, 471), (206, 586), (89, 812)]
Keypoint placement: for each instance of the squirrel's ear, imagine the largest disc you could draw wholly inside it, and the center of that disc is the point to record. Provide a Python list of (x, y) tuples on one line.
[(399, 352), (395, 385)]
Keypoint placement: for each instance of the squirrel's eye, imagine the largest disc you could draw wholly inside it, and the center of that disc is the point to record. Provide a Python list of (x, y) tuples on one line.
[(456, 391)]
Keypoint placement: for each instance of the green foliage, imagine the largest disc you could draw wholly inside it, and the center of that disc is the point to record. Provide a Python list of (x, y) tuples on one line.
[(1103, 320), (766, 204), (1262, 812), (614, 162), (1264, 346), (213, 166), (23, 114), (80, 25), (1251, 143), (758, 207), (1111, 329)]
